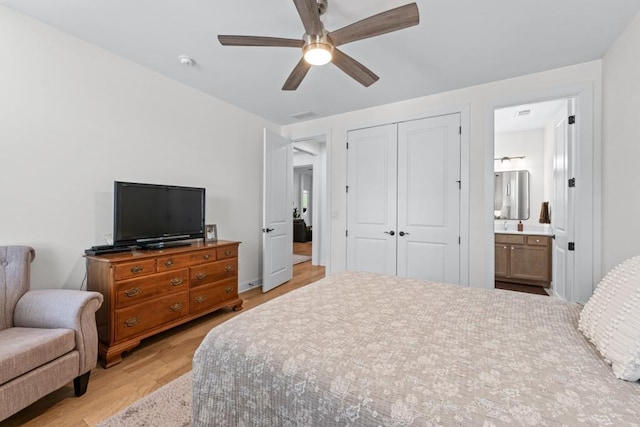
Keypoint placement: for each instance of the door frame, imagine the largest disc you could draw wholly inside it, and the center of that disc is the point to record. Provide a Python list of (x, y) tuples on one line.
[(321, 252), (587, 265)]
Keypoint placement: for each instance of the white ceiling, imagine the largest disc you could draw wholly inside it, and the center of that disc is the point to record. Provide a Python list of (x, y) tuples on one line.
[(540, 113), (458, 43)]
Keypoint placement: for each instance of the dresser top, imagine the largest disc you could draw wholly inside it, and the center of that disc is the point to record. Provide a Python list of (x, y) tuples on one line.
[(151, 253)]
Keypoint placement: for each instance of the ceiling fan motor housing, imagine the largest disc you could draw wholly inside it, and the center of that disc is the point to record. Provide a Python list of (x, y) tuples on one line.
[(322, 6)]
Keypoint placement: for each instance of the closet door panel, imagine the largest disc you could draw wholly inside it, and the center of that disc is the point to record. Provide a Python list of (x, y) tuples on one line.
[(414, 264), (429, 198), (371, 199)]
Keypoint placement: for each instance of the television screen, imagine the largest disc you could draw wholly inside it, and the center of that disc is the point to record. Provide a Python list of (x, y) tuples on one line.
[(145, 214)]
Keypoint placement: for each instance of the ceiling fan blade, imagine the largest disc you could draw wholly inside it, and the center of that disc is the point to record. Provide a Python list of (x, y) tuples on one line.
[(259, 41), (310, 16), (353, 68), (296, 76), (382, 23)]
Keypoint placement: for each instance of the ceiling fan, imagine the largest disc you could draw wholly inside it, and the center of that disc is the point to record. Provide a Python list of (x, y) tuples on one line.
[(320, 46)]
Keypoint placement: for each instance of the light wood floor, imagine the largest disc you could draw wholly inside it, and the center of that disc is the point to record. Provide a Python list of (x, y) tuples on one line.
[(302, 248), (157, 361)]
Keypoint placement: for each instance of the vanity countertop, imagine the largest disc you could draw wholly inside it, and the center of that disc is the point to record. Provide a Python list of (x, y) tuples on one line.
[(546, 232), (511, 227)]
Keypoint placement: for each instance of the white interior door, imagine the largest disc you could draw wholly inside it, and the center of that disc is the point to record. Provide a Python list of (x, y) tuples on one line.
[(429, 199), (563, 204), (371, 199), (277, 232)]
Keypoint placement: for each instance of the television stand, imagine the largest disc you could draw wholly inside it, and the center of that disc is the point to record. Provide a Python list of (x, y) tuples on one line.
[(164, 245)]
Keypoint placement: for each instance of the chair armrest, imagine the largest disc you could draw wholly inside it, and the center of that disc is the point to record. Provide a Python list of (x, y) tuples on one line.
[(63, 308)]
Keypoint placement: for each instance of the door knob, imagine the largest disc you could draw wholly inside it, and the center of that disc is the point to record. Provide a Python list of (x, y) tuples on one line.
[(390, 233), (402, 233), (267, 230)]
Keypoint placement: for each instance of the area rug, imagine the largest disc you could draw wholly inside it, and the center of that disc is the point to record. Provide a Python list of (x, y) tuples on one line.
[(170, 405), (297, 259)]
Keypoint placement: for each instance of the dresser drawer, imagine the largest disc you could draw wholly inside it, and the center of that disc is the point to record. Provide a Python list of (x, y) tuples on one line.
[(203, 257), (205, 297), (538, 240), (172, 262), (141, 318), (137, 290), (127, 270), (208, 273), (227, 252), (510, 238)]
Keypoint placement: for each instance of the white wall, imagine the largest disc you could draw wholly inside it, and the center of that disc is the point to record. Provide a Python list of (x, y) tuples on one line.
[(74, 118), (479, 99), (621, 148), (529, 144)]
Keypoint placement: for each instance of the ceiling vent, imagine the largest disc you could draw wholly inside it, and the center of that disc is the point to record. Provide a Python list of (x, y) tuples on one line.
[(523, 113), (304, 115)]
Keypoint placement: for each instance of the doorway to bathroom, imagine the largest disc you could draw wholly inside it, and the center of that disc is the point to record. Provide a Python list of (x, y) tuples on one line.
[(534, 146)]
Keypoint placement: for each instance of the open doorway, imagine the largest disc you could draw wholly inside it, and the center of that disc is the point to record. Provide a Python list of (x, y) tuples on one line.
[(575, 260), (532, 163), (302, 208), (309, 201)]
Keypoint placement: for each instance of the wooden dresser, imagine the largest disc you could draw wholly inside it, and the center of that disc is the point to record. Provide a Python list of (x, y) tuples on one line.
[(523, 258), (150, 291)]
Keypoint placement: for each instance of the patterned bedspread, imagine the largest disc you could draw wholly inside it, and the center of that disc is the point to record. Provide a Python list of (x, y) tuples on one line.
[(360, 349)]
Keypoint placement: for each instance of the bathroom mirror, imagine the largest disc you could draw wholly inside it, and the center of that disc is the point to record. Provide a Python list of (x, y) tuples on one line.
[(511, 195)]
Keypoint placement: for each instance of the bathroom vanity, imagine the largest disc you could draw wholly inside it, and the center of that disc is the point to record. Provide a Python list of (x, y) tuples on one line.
[(523, 258)]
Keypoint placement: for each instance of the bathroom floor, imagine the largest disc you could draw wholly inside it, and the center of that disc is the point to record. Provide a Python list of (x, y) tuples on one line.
[(539, 290)]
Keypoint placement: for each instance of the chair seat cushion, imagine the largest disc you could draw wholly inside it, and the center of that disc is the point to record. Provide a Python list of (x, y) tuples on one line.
[(24, 349)]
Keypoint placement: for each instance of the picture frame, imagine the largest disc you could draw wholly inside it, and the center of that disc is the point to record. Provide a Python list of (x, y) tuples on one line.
[(211, 233)]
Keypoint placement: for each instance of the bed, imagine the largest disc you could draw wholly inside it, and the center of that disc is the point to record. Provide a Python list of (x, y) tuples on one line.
[(361, 349)]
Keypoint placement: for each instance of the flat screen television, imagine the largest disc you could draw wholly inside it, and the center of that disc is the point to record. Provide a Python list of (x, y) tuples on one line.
[(155, 216)]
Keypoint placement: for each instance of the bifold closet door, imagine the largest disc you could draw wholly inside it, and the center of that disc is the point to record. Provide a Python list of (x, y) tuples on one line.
[(429, 199), (403, 199), (372, 199)]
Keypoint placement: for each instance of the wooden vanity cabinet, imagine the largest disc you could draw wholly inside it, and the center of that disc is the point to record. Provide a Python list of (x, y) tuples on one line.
[(149, 291), (523, 258)]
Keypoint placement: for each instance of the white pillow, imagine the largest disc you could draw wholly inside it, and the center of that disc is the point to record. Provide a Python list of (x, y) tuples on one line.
[(611, 319)]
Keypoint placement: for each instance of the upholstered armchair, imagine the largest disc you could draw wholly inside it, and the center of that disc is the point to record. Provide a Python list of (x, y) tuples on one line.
[(47, 337)]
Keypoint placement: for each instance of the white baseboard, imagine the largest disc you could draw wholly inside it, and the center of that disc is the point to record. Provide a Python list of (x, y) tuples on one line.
[(252, 284)]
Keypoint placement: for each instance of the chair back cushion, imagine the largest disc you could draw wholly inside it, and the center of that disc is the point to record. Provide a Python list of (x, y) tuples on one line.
[(15, 263)]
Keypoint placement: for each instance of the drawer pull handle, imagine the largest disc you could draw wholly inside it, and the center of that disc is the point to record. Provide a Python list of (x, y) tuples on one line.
[(132, 292), (228, 290), (200, 276), (200, 299), (207, 256), (538, 240), (228, 268), (136, 269), (129, 323), (177, 281), (175, 307), (512, 247), (168, 263), (227, 253)]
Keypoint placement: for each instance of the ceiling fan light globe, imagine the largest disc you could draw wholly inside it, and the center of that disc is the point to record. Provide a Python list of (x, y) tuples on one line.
[(318, 53)]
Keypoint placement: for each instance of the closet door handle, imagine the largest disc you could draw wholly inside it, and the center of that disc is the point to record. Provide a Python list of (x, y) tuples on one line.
[(390, 233), (402, 233)]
